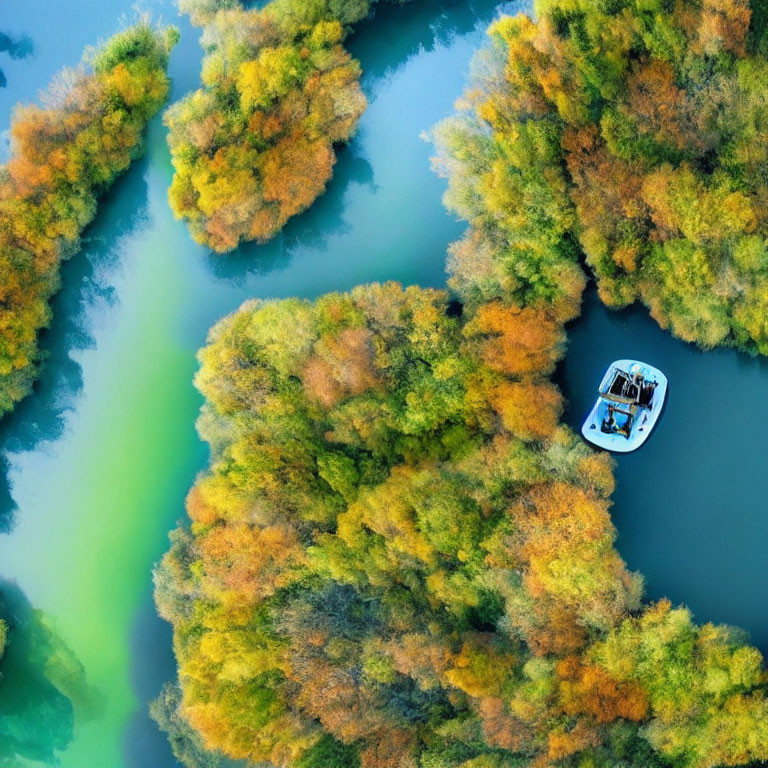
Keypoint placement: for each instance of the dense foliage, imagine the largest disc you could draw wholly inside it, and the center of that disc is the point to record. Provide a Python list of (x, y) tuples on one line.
[(255, 145), (398, 557), (64, 155), (202, 12), (186, 744), (643, 124)]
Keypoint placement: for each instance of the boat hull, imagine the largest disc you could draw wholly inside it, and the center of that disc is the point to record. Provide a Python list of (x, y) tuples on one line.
[(644, 423)]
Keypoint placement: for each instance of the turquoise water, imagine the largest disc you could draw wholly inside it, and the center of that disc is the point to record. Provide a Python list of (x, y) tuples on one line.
[(691, 505), (98, 461)]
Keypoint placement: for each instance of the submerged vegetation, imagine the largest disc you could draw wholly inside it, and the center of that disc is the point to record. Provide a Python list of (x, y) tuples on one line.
[(398, 557), (255, 145), (64, 155), (44, 692)]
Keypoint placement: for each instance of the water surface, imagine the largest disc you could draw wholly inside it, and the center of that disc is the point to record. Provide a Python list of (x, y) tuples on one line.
[(690, 505)]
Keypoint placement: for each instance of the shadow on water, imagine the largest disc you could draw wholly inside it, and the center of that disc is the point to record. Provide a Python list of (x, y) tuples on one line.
[(311, 229), (43, 689), (87, 288), (690, 505), (17, 48), (152, 661), (394, 33)]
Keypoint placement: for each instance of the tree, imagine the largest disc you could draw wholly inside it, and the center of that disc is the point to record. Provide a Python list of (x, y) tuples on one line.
[(256, 145), (635, 132), (63, 157)]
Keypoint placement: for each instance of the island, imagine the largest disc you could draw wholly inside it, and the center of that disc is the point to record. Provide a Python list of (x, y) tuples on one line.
[(65, 154), (255, 146)]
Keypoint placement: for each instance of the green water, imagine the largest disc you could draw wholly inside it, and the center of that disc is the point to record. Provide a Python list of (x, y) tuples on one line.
[(99, 460)]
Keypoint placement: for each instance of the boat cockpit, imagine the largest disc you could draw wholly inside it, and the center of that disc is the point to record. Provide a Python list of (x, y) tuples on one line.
[(631, 388), (625, 395)]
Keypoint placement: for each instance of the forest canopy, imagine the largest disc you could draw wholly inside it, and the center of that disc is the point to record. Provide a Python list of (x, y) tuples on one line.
[(255, 146), (63, 156), (399, 558), (643, 127)]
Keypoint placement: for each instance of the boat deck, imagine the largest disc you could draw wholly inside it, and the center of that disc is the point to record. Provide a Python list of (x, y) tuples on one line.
[(635, 411)]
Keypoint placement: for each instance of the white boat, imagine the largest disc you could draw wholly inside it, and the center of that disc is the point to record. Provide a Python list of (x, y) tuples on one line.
[(629, 404)]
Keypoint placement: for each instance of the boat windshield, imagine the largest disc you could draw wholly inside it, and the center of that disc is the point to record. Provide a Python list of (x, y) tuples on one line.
[(629, 389)]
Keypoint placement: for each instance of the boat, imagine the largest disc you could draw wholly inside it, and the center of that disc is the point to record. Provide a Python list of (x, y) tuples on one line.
[(629, 403)]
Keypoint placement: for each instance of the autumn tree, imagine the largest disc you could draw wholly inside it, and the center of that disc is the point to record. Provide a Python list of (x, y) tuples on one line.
[(347, 507), (633, 133), (399, 558), (256, 145), (63, 156)]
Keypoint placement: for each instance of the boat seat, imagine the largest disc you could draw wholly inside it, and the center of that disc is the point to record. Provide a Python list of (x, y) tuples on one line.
[(646, 394)]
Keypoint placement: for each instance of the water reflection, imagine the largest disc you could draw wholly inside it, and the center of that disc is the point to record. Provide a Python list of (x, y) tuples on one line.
[(395, 33), (43, 688), (17, 48), (152, 661), (88, 287)]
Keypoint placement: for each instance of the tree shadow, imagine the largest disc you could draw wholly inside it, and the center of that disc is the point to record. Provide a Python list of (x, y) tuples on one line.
[(394, 33), (310, 229), (87, 289), (152, 661), (43, 688), (17, 48)]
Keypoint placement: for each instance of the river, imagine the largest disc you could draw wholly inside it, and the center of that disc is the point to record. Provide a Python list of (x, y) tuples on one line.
[(98, 461)]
